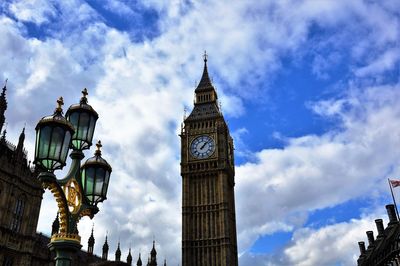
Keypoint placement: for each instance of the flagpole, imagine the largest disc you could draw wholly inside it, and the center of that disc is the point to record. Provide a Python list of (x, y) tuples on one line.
[(394, 201)]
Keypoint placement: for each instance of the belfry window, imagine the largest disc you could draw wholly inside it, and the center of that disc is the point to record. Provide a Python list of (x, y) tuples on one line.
[(17, 215)]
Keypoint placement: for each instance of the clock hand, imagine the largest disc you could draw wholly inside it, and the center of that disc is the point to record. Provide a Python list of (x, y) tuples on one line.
[(205, 144)]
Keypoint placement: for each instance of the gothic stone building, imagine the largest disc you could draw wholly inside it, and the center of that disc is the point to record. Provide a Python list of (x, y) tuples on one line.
[(207, 169), (385, 248), (20, 200)]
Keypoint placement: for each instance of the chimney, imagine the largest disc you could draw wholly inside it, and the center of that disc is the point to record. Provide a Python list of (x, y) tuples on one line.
[(370, 236), (361, 245), (392, 214), (379, 227)]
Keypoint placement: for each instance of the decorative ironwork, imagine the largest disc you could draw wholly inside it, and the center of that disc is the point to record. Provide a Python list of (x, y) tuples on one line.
[(66, 236), (73, 195)]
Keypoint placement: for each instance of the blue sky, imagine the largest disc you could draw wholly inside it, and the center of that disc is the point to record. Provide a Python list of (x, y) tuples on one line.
[(310, 90)]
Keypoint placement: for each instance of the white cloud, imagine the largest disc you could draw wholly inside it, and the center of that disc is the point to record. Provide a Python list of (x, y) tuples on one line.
[(315, 172), (330, 245), (334, 244), (35, 11), (119, 7), (387, 61), (140, 90)]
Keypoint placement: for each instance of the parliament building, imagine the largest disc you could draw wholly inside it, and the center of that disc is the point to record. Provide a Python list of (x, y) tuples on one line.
[(385, 248)]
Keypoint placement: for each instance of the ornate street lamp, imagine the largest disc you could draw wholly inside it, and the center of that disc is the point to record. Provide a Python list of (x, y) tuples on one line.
[(79, 192)]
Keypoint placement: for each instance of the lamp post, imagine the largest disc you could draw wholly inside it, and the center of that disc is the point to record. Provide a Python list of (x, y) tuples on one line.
[(79, 192)]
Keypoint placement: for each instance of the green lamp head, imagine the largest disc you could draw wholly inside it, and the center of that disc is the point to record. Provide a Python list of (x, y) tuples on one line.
[(95, 176), (83, 117), (53, 137)]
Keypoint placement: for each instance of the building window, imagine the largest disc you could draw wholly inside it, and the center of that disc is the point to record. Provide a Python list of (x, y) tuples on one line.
[(8, 261), (17, 215)]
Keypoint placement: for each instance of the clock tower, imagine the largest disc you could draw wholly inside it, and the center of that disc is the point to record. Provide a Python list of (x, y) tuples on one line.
[(207, 169)]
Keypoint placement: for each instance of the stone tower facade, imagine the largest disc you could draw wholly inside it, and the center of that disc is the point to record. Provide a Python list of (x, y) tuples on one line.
[(207, 169)]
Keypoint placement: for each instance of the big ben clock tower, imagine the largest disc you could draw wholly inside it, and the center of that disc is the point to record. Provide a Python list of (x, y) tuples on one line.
[(207, 169)]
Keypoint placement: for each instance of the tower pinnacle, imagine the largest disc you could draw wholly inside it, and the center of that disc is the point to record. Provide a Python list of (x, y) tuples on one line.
[(205, 81), (91, 242), (139, 261), (105, 250), (20, 145), (3, 105), (129, 257), (118, 253), (153, 255), (56, 226)]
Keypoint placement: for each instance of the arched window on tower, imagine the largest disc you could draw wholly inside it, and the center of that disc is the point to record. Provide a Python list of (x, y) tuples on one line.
[(18, 214)]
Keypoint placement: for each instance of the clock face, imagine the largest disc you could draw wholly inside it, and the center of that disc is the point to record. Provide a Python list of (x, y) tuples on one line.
[(202, 147)]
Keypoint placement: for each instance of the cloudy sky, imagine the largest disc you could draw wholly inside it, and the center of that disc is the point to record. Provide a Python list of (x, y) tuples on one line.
[(310, 89)]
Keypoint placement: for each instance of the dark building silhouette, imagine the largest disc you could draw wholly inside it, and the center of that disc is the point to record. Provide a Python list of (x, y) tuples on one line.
[(118, 253), (139, 261), (3, 106), (129, 258), (207, 169), (91, 243), (153, 256), (385, 249), (105, 250)]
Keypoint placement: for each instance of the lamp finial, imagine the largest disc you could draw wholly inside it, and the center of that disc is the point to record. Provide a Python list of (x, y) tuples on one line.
[(84, 98), (60, 103), (98, 145)]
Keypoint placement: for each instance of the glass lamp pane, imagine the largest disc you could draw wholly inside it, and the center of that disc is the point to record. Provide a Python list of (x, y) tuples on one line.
[(74, 119), (81, 132), (99, 181), (91, 128), (65, 146), (83, 179), (90, 172), (57, 139), (105, 186), (44, 142), (37, 143)]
